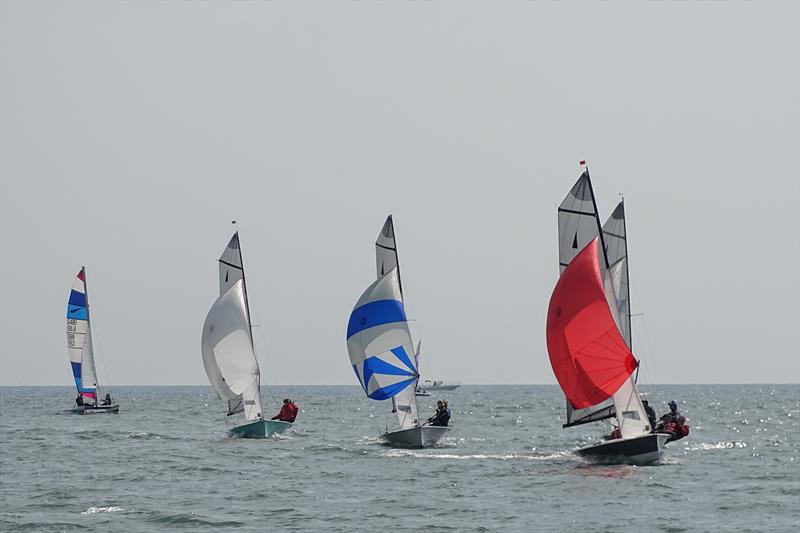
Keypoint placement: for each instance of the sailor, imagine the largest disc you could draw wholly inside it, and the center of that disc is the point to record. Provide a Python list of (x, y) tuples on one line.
[(673, 414), (673, 409), (651, 414), (79, 401), (615, 434), (442, 415), (680, 429), (107, 399), (288, 412)]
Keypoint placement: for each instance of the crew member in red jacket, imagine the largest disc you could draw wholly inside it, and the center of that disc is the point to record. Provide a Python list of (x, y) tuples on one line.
[(288, 411)]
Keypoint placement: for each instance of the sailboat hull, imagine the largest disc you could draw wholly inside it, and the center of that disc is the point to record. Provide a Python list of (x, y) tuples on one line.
[(260, 429), (95, 409), (420, 437), (643, 449)]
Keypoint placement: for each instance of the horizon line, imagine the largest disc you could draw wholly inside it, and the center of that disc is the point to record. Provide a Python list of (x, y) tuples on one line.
[(356, 385)]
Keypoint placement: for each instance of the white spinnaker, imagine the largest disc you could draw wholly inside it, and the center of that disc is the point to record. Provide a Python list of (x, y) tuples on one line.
[(228, 355)]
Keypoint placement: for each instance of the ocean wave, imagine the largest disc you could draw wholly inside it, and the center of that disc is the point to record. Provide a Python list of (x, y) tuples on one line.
[(480, 456), (146, 435), (179, 519)]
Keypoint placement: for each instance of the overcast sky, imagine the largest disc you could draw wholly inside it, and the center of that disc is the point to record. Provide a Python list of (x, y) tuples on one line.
[(133, 133)]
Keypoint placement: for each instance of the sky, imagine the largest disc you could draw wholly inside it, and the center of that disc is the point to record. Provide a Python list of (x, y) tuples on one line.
[(132, 133)]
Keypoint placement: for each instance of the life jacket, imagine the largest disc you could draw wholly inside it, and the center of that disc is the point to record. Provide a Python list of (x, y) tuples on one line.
[(291, 412)]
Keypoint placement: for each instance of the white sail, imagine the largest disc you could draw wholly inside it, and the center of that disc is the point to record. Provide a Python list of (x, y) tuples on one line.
[(79, 339), (228, 354), (631, 416), (231, 268), (617, 286), (386, 249)]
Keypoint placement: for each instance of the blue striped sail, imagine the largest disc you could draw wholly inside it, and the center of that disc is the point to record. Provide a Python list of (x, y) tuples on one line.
[(79, 340), (379, 341)]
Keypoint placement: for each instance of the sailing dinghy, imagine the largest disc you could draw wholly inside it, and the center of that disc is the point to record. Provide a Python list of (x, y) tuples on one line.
[(589, 330), (228, 349), (81, 352), (381, 348)]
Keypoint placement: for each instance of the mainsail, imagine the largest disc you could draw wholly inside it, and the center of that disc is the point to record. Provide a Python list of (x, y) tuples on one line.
[(79, 339), (227, 341), (379, 337), (578, 225), (386, 249)]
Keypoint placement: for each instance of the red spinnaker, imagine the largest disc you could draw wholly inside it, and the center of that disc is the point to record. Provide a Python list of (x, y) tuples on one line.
[(587, 352)]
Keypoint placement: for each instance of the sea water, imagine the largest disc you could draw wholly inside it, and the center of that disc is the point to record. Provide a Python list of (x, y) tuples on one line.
[(165, 462)]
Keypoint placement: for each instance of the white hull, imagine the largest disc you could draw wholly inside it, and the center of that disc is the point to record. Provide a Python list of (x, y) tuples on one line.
[(96, 410), (429, 385), (643, 449), (419, 437)]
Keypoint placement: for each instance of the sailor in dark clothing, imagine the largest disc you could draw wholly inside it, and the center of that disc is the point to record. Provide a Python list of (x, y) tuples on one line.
[(107, 399), (673, 414), (79, 401), (673, 409), (442, 416), (651, 414), (669, 419)]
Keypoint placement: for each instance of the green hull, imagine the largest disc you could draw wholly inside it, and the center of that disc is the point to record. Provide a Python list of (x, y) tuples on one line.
[(259, 429)]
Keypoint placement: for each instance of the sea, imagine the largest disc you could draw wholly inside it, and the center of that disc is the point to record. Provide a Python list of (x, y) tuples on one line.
[(166, 463)]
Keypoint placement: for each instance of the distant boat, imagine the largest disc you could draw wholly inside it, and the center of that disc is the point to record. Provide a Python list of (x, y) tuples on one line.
[(589, 329), (439, 385), (379, 341), (81, 352), (229, 352)]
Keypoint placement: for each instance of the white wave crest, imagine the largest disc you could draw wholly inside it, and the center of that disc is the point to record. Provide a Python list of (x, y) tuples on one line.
[(110, 509), (716, 446)]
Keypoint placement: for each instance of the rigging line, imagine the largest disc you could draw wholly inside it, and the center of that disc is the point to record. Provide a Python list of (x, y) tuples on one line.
[(265, 348), (100, 351), (651, 353)]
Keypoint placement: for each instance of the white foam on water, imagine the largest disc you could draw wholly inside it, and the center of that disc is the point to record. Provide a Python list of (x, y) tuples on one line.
[(110, 509), (716, 446), (499, 457)]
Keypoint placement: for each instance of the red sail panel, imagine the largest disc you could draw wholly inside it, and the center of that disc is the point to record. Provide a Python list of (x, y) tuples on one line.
[(587, 352)]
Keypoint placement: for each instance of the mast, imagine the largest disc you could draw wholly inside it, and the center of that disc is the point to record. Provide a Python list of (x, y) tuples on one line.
[(628, 277), (597, 217), (89, 331), (244, 290)]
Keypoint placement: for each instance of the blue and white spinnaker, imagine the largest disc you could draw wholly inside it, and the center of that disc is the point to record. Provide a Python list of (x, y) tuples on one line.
[(379, 341)]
